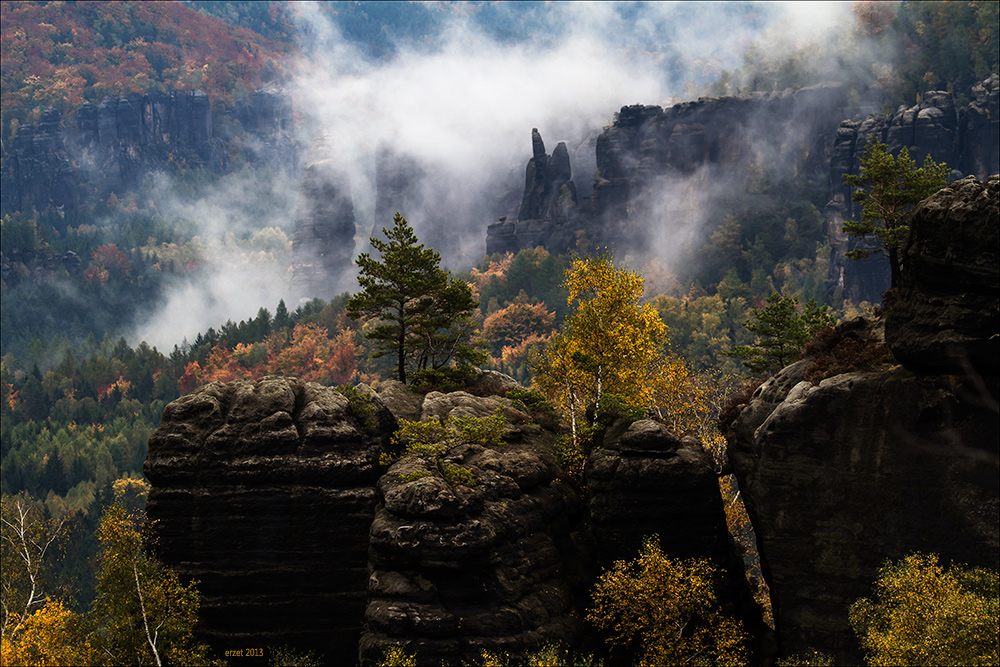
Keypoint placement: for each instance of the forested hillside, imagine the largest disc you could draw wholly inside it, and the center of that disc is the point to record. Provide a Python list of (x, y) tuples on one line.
[(61, 55), (84, 287)]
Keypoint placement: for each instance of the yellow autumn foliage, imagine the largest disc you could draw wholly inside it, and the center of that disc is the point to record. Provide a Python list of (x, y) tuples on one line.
[(664, 612), (52, 635), (146, 614), (922, 614), (610, 345), (395, 656)]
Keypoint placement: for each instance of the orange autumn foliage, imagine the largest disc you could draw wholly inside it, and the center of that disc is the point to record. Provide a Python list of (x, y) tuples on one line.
[(512, 327), (497, 268), (310, 355), (59, 54), (107, 260)]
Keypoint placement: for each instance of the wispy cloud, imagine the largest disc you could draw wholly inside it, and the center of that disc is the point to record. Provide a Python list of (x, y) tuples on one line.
[(462, 105)]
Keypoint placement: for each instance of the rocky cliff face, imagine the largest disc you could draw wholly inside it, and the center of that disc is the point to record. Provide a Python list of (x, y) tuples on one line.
[(110, 146), (647, 148), (842, 472), (657, 168), (456, 569), (270, 493), (965, 137), (549, 215), (645, 480), (265, 492), (654, 164), (947, 316), (37, 171), (323, 242)]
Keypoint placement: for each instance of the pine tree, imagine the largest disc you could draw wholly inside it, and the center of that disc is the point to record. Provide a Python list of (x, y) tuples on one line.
[(782, 332), (421, 314), (889, 189), (281, 316)]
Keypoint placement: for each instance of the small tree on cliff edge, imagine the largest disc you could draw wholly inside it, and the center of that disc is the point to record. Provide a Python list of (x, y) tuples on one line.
[(782, 332), (889, 189), (422, 313)]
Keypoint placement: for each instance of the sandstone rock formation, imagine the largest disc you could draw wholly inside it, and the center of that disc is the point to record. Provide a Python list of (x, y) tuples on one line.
[(323, 242), (839, 476), (841, 473), (37, 171), (268, 118), (549, 214), (979, 130), (264, 492), (946, 318), (654, 165), (457, 569), (966, 138), (398, 183), (271, 494), (646, 480), (126, 136), (113, 144), (649, 152)]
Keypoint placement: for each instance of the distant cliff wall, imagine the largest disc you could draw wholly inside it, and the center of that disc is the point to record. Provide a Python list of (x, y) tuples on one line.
[(966, 137), (323, 242), (111, 146), (657, 169), (843, 472), (648, 152)]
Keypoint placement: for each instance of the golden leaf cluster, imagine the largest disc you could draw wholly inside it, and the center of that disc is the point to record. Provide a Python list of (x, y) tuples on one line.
[(664, 612), (923, 614)]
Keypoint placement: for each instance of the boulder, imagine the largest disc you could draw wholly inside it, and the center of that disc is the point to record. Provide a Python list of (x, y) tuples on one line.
[(842, 473), (946, 318), (403, 403), (492, 383), (460, 404)]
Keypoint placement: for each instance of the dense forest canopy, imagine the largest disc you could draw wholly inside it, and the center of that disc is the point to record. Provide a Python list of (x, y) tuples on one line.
[(60, 55), (82, 390)]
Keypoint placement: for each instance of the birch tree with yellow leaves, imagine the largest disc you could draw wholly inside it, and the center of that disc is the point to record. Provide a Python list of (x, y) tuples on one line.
[(610, 345), (655, 610), (143, 614)]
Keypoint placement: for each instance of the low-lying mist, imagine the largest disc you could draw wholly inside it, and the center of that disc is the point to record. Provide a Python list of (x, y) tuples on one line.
[(462, 106)]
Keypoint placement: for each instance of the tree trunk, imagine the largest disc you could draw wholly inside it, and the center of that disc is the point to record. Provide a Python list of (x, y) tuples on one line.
[(895, 271), (402, 346), (402, 360)]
